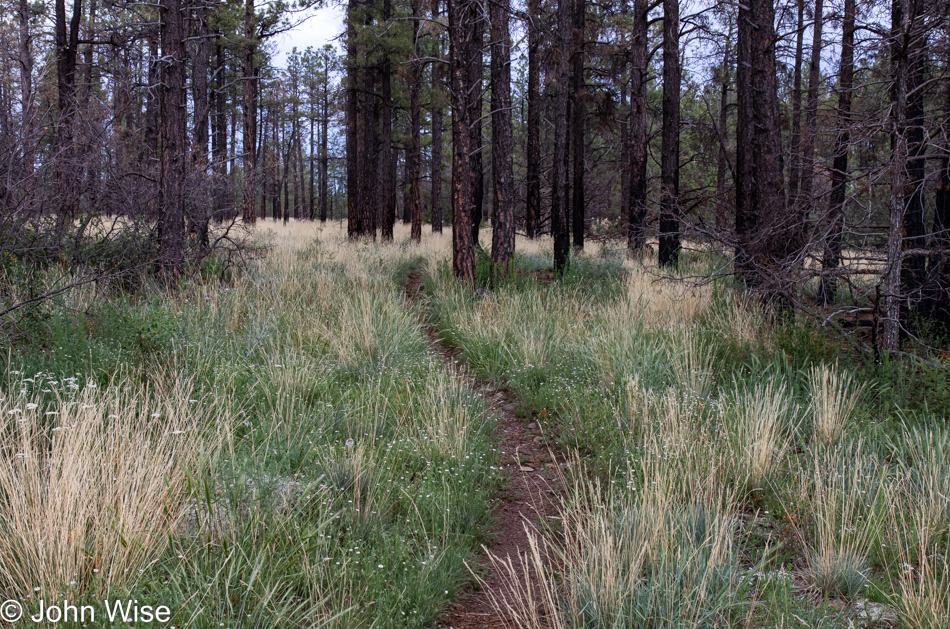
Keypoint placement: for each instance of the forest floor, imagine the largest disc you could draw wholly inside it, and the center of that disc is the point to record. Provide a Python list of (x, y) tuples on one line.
[(527, 501), (341, 435)]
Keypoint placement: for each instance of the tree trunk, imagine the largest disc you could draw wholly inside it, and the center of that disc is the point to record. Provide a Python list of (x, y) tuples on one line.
[(436, 166), (533, 157), (26, 84), (219, 147), (200, 62), (913, 267), (354, 115), (560, 224), (387, 202), (171, 233), (413, 155), (891, 320), (722, 163), (503, 225), (250, 114), (578, 118), (462, 29), (67, 44), (476, 70), (831, 256), (762, 221), (372, 190), (639, 75), (324, 159), (795, 158), (670, 151), (89, 77), (939, 265), (805, 198)]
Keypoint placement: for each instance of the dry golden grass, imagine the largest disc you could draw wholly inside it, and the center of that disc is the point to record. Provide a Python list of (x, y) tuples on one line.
[(92, 486), (834, 395)]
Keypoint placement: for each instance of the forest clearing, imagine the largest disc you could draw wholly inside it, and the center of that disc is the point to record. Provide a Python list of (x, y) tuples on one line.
[(330, 438)]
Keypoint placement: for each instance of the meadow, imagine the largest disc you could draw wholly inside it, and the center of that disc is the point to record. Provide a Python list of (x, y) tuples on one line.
[(281, 446)]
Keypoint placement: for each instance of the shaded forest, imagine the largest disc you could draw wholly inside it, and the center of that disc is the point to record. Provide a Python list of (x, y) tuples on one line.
[(802, 146)]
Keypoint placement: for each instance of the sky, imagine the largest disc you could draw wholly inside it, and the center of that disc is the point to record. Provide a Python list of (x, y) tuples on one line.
[(321, 27)]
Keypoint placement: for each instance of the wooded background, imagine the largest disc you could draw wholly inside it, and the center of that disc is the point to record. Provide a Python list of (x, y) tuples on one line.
[(803, 147)]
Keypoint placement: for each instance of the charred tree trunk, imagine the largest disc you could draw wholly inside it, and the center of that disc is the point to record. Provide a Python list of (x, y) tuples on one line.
[(462, 33), (795, 157), (533, 152), (476, 70), (900, 31), (806, 201), (413, 155), (200, 63), (436, 109), (171, 232), (219, 147), (938, 308), (250, 114), (560, 202), (503, 225), (387, 202), (67, 44), (670, 151), (762, 221), (354, 114), (324, 155), (722, 164), (834, 230), (578, 118), (639, 75), (26, 83)]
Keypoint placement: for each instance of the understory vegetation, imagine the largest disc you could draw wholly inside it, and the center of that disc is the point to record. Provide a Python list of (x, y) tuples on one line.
[(281, 447), (280, 450)]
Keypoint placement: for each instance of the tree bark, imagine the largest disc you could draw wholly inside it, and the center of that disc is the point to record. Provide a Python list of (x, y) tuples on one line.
[(670, 150), (722, 162), (533, 149), (831, 257), (939, 265), (171, 234), (250, 114), (890, 319), (387, 202), (200, 63), (26, 83), (805, 203), (560, 224), (413, 156), (578, 118), (436, 110), (462, 30), (795, 150), (639, 75), (219, 146), (762, 221), (67, 44), (354, 115), (503, 225), (324, 155), (476, 70)]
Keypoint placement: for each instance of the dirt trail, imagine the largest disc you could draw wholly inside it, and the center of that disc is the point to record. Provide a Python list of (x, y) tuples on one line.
[(529, 496)]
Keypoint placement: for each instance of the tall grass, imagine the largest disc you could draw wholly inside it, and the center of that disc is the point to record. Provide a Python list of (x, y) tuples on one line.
[(92, 484), (834, 395), (843, 488)]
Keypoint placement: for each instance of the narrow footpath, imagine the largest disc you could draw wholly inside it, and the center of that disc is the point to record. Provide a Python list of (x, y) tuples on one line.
[(529, 495)]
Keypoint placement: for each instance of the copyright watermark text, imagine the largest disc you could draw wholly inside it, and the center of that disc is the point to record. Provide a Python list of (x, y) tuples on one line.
[(52, 612)]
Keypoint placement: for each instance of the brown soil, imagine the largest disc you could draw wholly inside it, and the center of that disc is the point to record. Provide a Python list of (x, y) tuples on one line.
[(529, 495)]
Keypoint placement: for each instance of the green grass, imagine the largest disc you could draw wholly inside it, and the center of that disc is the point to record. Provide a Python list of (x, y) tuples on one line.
[(356, 477)]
